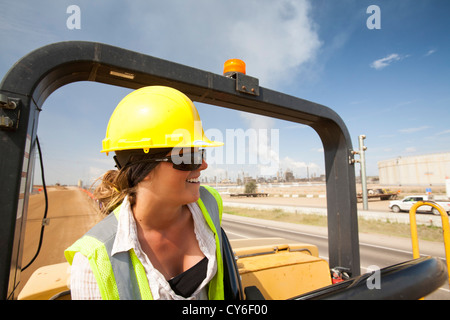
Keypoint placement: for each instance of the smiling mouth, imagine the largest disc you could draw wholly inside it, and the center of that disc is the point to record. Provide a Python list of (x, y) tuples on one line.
[(193, 180)]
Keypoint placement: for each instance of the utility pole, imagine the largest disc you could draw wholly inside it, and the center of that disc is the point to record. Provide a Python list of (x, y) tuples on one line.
[(362, 161)]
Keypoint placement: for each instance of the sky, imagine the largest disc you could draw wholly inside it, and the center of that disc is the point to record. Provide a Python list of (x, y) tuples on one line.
[(383, 66)]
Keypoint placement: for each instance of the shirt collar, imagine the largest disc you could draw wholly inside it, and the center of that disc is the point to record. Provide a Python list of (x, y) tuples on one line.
[(126, 237)]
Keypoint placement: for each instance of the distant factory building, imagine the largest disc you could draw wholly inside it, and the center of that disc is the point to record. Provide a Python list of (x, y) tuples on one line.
[(426, 170)]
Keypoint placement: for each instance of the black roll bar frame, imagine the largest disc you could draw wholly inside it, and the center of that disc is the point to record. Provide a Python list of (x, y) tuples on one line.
[(33, 78)]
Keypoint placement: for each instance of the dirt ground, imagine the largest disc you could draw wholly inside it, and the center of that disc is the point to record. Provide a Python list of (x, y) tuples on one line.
[(71, 213)]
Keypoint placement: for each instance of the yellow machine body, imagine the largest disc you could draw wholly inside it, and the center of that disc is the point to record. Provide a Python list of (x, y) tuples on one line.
[(280, 269), (47, 282)]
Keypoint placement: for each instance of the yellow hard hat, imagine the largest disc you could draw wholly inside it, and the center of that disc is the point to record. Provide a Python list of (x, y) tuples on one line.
[(155, 117)]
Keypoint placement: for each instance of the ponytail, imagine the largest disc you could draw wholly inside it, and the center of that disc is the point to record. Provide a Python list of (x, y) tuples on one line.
[(115, 185), (111, 191)]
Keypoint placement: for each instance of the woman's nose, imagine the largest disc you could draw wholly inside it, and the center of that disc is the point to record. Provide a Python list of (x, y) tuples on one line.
[(204, 165)]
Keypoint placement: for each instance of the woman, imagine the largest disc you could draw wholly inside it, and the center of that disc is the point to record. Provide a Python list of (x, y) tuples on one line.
[(161, 237)]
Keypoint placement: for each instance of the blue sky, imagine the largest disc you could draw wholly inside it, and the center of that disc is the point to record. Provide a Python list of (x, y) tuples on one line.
[(391, 84)]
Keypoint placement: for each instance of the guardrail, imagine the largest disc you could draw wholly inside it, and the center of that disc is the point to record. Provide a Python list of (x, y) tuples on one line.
[(445, 228)]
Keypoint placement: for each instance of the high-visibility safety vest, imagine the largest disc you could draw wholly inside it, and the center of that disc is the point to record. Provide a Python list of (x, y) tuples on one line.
[(122, 276)]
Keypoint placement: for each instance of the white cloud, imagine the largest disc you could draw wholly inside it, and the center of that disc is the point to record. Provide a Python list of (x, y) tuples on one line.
[(301, 168), (266, 148), (256, 121), (430, 52), (386, 61), (443, 132), (291, 163), (274, 49), (414, 129), (274, 38)]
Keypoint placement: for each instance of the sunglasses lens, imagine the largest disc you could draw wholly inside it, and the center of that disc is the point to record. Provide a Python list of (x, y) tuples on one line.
[(195, 162)]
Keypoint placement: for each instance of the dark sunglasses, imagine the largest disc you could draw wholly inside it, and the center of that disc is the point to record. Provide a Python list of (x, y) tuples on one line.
[(184, 162)]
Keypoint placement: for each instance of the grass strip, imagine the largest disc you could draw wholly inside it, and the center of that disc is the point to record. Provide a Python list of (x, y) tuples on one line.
[(429, 233)]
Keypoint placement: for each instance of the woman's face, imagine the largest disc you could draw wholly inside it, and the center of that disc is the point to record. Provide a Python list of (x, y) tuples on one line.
[(175, 186)]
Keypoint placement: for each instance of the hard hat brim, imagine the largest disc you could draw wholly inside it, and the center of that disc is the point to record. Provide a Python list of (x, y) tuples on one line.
[(208, 143), (195, 144)]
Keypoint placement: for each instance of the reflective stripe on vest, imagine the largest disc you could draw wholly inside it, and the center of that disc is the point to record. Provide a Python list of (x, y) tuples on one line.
[(122, 275), (211, 206), (120, 262)]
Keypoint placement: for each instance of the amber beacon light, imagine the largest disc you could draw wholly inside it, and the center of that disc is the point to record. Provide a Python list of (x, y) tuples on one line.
[(234, 65)]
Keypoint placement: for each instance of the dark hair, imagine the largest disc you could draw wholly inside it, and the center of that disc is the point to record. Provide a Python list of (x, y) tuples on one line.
[(131, 169)]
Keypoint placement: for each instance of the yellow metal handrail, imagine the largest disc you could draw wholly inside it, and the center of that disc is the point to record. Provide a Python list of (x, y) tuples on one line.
[(445, 228)]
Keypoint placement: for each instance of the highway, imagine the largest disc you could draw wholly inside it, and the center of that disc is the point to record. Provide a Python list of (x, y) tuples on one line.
[(381, 251)]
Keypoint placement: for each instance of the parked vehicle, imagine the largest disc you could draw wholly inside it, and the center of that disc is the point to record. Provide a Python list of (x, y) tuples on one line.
[(406, 203), (382, 194)]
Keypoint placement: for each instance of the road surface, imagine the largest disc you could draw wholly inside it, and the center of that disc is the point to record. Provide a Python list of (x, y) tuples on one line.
[(378, 250)]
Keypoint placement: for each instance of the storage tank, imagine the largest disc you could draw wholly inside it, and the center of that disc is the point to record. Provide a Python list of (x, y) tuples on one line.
[(430, 169)]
